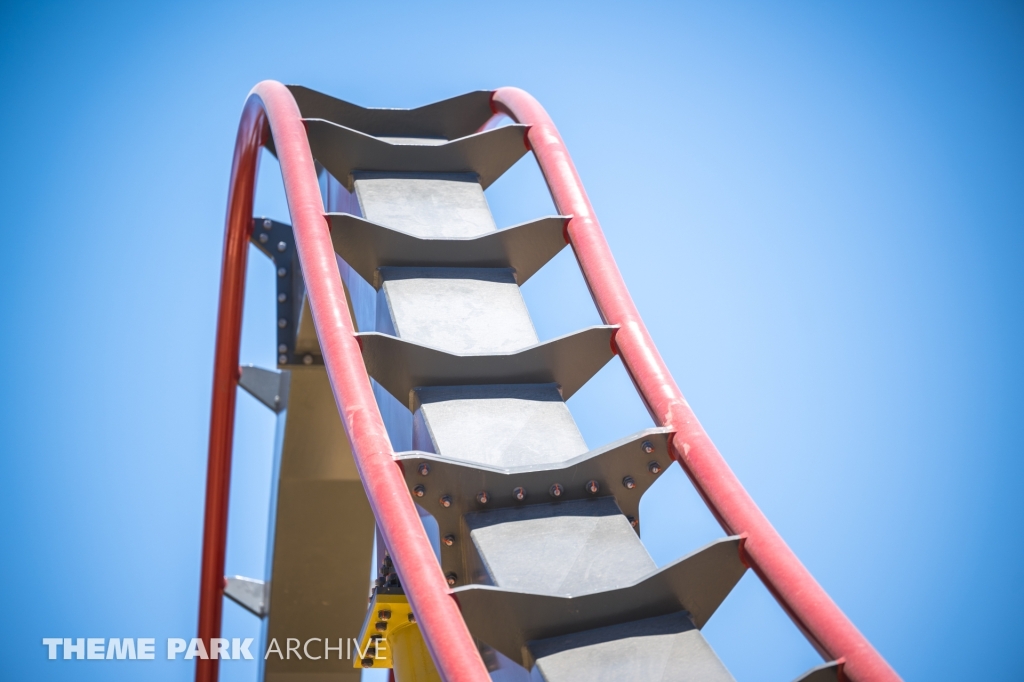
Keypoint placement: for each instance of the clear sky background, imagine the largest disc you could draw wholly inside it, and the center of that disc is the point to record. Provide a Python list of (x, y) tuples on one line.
[(818, 208)]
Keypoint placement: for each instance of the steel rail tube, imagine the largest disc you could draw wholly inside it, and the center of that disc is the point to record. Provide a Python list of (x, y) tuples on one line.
[(822, 621), (252, 132), (271, 110)]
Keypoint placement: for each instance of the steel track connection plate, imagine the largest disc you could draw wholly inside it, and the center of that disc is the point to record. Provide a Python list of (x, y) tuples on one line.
[(697, 584), (367, 246), (569, 361), (343, 150)]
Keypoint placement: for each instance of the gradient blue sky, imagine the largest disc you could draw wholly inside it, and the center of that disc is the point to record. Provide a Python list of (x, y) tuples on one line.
[(818, 207)]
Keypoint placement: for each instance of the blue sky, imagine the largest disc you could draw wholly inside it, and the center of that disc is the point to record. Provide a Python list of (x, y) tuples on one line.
[(818, 208)]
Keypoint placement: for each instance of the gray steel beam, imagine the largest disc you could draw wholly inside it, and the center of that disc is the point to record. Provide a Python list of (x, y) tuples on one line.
[(296, 336), (524, 248), (827, 672), (568, 361), (696, 584), (458, 310), (268, 386), (450, 118), (557, 548), (248, 593), (622, 470), (496, 425), (321, 527), (343, 150), (663, 649), (559, 560), (439, 205)]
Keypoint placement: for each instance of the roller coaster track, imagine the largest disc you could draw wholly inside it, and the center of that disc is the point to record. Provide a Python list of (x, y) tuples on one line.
[(332, 150)]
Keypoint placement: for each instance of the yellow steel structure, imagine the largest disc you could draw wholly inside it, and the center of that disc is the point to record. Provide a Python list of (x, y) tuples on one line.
[(391, 639)]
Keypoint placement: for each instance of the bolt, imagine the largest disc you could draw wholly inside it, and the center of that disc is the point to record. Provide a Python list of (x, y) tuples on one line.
[(448, 540), (374, 638), (629, 482), (281, 246), (452, 578), (281, 272), (519, 493), (647, 446), (412, 618), (556, 490), (419, 491), (307, 359), (264, 237), (384, 614), (592, 487), (632, 521), (267, 223), (282, 323), (654, 468), (424, 469), (282, 348), (282, 359), (482, 497), (368, 662), (446, 501), (381, 626), (281, 298)]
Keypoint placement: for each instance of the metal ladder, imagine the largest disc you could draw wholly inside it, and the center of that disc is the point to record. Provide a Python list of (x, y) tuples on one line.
[(536, 535)]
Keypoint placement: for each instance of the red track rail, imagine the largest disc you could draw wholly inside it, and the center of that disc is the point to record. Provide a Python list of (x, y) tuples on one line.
[(822, 622), (271, 109)]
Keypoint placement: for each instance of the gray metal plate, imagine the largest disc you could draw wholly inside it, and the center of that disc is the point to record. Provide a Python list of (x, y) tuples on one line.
[(664, 649), (498, 425), (564, 548), (465, 311), (343, 150), (609, 466), (248, 593), (569, 361), (276, 240), (827, 672), (428, 205), (525, 248), (697, 584), (269, 386), (449, 118)]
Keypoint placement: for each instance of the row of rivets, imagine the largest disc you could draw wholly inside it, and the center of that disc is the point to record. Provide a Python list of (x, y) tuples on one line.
[(556, 490), (519, 492)]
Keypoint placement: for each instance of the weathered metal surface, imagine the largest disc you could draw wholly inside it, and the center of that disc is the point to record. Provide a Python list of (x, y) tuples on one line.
[(321, 535), (559, 548), (440, 205), (497, 425), (458, 310)]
